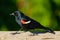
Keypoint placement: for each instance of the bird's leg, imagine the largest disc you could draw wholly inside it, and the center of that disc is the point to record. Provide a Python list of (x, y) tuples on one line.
[(17, 32)]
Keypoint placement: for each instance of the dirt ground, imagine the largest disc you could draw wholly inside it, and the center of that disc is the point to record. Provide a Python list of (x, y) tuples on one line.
[(28, 36)]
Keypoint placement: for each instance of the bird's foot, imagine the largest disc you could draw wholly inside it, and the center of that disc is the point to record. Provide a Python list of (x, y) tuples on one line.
[(33, 34), (15, 33)]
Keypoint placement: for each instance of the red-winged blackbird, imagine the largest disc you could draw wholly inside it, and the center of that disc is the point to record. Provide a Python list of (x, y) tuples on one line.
[(27, 22)]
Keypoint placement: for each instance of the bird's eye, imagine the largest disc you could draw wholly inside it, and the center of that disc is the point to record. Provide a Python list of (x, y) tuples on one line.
[(15, 14)]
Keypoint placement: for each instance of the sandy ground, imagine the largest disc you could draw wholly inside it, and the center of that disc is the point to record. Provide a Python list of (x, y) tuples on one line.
[(28, 36)]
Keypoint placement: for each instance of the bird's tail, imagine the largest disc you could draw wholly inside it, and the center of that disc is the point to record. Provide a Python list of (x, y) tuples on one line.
[(50, 30)]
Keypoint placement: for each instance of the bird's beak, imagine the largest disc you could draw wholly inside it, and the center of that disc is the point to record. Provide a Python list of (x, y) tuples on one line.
[(12, 14)]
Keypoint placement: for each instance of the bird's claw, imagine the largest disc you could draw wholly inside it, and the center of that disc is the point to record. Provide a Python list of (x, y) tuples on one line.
[(15, 33), (33, 34)]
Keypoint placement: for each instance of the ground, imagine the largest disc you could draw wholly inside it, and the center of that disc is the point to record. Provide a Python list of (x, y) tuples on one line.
[(6, 35)]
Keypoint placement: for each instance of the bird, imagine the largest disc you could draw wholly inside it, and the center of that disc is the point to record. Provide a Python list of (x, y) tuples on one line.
[(26, 22)]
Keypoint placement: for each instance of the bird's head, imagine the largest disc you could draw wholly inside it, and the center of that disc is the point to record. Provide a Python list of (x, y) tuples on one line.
[(17, 13)]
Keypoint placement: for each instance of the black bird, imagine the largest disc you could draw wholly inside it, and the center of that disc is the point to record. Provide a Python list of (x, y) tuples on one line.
[(28, 23)]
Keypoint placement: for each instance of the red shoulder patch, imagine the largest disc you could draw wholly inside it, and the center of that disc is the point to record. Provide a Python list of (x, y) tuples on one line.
[(23, 21)]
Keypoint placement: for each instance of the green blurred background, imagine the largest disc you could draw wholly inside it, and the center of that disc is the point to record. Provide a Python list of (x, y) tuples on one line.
[(47, 12)]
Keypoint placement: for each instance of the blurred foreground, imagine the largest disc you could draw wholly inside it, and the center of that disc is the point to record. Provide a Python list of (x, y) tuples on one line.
[(5, 35)]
